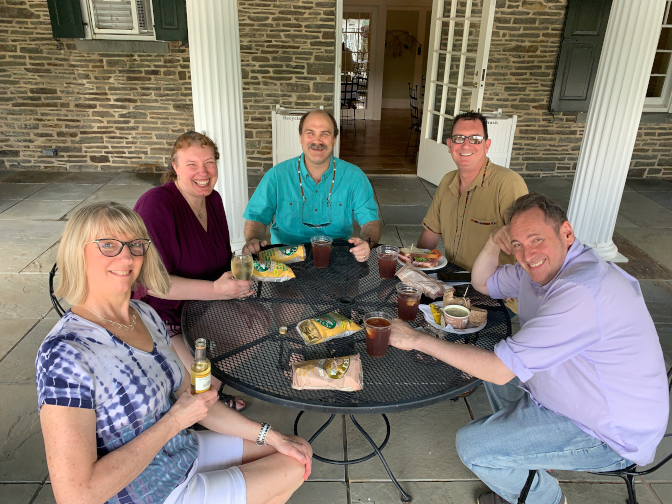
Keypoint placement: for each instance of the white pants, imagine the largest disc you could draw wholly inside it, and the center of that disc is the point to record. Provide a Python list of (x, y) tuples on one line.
[(214, 477)]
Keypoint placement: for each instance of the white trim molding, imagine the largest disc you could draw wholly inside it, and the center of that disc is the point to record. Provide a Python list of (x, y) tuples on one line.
[(217, 89), (612, 122)]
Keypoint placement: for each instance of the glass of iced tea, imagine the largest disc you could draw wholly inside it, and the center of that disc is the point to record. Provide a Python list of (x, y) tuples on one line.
[(408, 300), (387, 260), (378, 327), (242, 266), (321, 250)]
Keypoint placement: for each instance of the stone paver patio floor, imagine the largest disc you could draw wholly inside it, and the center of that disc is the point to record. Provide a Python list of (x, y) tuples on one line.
[(33, 209)]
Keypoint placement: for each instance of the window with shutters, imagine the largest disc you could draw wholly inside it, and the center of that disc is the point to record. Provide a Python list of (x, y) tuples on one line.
[(659, 91), (118, 19)]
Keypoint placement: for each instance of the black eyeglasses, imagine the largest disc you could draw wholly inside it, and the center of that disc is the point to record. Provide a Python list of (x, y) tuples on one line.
[(473, 139), (110, 247)]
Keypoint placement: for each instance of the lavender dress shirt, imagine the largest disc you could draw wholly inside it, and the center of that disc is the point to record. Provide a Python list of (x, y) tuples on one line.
[(587, 349), (187, 250)]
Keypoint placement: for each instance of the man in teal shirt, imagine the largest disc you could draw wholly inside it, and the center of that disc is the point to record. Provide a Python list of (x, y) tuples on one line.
[(313, 194)]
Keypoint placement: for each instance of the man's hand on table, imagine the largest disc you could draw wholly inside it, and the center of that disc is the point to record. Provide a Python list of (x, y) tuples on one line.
[(228, 287), (403, 336), (361, 249), (292, 446), (254, 246)]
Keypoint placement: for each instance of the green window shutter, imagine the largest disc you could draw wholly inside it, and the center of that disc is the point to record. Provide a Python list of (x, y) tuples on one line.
[(585, 27), (66, 18), (170, 19)]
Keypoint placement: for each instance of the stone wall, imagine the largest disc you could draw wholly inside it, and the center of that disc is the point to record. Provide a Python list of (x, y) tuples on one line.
[(101, 111), (523, 56), (287, 53), (121, 111)]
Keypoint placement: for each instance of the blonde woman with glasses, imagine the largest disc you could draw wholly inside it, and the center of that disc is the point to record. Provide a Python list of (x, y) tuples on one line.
[(115, 401)]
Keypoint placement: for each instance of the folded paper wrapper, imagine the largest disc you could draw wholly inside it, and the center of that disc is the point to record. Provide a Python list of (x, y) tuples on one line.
[(338, 373), (411, 275)]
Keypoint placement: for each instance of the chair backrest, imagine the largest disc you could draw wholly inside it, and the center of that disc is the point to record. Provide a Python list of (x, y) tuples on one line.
[(54, 301), (348, 93), (415, 112)]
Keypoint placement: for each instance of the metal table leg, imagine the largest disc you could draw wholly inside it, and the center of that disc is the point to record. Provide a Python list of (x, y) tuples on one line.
[(377, 450)]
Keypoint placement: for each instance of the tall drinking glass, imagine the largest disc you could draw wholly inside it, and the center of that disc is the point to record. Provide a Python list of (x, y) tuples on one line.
[(408, 300), (378, 327), (242, 266), (321, 250), (387, 260)]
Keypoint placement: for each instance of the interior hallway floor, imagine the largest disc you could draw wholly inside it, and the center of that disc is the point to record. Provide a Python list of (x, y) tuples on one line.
[(379, 147), (34, 207)]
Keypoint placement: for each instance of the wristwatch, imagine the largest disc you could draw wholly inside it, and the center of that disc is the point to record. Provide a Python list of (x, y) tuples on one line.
[(261, 439)]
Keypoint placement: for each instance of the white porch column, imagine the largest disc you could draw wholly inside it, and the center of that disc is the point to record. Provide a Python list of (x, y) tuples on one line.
[(612, 122), (217, 89)]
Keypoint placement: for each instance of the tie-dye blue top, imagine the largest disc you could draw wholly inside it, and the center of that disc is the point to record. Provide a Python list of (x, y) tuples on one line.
[(82, 365)]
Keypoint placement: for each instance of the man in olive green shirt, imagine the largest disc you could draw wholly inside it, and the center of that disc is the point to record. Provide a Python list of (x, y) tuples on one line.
[(471, 201)]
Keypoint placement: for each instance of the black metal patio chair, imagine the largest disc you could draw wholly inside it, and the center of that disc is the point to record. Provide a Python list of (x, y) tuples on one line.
[(628, 474), (415, 121), (54, 300)]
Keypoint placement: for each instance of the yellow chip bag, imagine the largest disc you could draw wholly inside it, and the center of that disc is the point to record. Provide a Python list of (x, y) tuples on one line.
[(325, 327), (271, 271), (285, 255)]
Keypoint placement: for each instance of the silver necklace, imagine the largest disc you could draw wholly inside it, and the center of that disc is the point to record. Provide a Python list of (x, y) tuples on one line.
[(200, 215), (122, 326)]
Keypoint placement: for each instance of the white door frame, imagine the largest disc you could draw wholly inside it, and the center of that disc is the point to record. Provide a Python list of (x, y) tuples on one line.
[(434, 159)]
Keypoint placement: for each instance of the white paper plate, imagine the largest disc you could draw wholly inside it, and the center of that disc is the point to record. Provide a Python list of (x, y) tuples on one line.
[(442, 262), (427, 312)]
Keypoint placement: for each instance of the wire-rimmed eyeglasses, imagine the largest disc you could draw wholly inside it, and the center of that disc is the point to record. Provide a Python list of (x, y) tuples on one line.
[(473, 139), (110, 247)]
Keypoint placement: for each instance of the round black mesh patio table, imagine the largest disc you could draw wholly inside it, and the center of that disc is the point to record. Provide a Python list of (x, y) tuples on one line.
[(249, 354)]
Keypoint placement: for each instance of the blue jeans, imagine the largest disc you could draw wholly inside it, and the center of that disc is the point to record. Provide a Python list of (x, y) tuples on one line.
[(520, 436)]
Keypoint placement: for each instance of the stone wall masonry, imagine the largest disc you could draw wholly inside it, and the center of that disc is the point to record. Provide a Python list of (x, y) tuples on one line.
[(101, 111), (119, 112), (287, 58), (523, 56)]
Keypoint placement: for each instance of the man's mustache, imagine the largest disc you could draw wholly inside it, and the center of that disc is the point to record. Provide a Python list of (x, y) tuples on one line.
[(317, 146)]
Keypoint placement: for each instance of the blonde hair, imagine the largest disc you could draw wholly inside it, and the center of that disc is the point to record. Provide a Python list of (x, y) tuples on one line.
[(92, 222), (184, 141)]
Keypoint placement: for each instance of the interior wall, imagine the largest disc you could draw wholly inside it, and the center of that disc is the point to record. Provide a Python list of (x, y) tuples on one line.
[(400, 71), (378, 44)]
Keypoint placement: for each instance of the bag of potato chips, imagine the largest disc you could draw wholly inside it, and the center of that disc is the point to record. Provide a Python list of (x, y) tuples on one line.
[(271, 271), (285, 255), (324, 327), (340, 373)]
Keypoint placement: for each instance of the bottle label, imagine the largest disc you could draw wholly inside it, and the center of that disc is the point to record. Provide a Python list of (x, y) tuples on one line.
[(202, 384)]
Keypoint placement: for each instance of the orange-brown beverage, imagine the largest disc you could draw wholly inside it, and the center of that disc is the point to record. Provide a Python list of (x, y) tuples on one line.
[(378, 328), (408, 300), (387, 260), (321, 250)]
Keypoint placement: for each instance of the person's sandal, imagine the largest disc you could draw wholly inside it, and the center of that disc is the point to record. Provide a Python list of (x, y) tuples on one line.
[(231, 401)]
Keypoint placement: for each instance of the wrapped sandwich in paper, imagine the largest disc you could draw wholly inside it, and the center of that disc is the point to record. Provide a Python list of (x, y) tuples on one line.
[(339, 373), (411, 275)]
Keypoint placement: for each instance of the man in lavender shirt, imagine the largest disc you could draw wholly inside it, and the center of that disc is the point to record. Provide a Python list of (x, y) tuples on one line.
[(582, 386)]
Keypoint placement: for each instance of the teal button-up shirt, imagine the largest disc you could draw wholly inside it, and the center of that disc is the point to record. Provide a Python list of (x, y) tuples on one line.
[(279, 195)]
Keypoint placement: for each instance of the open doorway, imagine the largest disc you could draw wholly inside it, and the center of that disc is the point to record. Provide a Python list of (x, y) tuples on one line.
[(385, 49)]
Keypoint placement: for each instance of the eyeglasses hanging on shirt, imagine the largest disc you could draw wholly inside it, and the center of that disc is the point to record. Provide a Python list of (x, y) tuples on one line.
[(310, 214)]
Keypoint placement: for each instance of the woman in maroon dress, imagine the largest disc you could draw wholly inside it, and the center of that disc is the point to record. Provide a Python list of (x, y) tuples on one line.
[(185, 218)]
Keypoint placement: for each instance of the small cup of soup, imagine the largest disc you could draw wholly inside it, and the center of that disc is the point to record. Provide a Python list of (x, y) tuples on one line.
[(456, 316)]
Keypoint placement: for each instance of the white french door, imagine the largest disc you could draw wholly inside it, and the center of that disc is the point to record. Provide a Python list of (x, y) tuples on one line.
[(459, 44)]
